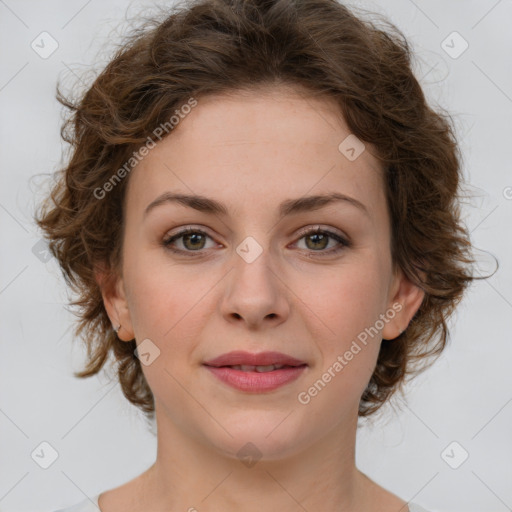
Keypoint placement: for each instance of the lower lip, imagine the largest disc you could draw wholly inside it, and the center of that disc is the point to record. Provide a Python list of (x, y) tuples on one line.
[(255, 381)]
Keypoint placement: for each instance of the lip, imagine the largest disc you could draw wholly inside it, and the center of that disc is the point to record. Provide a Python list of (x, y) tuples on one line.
[(261, 359), (253, 381), (256, 382)]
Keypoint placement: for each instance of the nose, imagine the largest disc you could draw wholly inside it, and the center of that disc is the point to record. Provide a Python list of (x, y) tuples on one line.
[(254, 292)]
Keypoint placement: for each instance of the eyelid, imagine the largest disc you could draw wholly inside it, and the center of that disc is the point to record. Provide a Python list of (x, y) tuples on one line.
[(344, 242), (303, 231), (320, 227), (184, 230), (180, 229), (333, 233)]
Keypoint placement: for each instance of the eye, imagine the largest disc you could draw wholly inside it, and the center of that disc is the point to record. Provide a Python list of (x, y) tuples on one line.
[(193, 240), (317, 240)]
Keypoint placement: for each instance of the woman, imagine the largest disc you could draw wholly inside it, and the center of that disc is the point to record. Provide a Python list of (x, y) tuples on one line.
[(260, 218)]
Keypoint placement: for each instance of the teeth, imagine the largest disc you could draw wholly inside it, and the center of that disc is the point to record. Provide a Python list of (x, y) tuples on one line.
[(267, 368), (259, 369)]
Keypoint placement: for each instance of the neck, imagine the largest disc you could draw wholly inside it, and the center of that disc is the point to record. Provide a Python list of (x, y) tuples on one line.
[(190, 475)]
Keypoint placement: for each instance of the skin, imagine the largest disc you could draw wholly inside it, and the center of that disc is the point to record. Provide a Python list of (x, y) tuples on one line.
[(251, 151)]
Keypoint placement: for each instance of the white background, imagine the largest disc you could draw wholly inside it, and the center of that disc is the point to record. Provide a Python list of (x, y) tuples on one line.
[(101, 439)]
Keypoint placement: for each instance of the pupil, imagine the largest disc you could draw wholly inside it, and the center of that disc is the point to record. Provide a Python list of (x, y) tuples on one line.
[(194, 235), (321, 236)]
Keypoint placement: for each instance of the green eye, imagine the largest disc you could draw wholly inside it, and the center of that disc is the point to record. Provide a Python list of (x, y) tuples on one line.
[(193, 241)]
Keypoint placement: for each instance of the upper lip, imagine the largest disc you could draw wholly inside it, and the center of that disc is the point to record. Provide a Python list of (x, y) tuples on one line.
[(239, 357)]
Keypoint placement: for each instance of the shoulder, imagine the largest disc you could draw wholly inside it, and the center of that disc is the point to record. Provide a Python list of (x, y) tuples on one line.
[(86, 505)]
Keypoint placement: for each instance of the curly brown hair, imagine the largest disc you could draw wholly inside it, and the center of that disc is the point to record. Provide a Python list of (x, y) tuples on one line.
[(209, 47)]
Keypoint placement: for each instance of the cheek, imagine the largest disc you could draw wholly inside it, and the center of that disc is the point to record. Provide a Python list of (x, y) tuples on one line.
[(150, 297), (165, 307), (349, 305), (352, 298), (166, 301)]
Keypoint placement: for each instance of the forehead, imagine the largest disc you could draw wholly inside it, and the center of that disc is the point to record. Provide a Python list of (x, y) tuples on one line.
[(258, 148)]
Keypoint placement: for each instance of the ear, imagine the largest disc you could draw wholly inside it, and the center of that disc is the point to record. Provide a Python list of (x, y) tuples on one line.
[(409, 296), (114, 299)]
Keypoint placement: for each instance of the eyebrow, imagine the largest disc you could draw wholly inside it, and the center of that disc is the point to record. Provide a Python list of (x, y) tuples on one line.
[(287, 207)]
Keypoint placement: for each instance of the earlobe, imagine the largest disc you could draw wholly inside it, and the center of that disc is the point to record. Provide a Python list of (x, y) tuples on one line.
[(410, 297), (115, 302)]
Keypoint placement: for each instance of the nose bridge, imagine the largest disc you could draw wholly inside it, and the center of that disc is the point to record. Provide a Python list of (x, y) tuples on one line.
[(254, 268), (254, 289)]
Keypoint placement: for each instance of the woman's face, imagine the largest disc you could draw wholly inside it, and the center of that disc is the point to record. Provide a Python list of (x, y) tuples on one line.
[(253, 277)]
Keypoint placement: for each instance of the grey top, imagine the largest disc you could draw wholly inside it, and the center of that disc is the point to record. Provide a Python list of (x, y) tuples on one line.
[(91, 505)]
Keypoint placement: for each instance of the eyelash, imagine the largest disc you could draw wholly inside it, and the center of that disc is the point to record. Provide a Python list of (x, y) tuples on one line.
[(307, 232)]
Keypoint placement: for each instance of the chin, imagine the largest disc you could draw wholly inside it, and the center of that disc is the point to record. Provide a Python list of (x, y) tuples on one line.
[(261, 435)]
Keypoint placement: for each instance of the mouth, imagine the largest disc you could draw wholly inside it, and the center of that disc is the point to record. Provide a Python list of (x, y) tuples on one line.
[(256, 373), (260, 360), (260, 368)]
